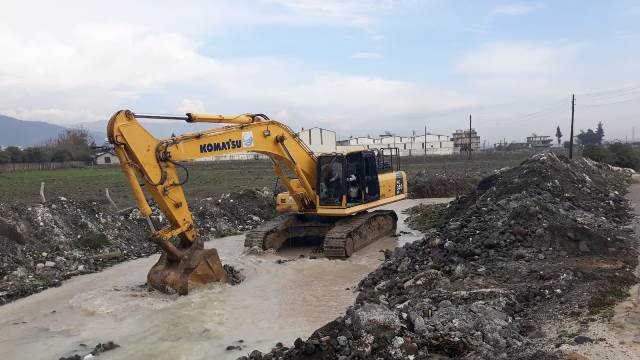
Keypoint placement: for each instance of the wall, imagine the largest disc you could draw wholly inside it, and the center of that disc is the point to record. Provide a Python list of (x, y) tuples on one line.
[(319, 140), (102, 159)]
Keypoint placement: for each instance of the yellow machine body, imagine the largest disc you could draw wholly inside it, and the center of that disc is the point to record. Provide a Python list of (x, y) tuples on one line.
[(155, 161)]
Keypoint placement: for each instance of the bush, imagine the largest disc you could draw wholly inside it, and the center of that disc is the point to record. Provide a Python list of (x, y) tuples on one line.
[(625, 156), (598, 153), (618, 154), (92, 240)]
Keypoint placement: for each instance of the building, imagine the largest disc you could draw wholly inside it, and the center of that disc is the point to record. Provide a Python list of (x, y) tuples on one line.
[(537, 142), (319, 140), (461, 139), (105, 158), (429, 144), (512, 146)]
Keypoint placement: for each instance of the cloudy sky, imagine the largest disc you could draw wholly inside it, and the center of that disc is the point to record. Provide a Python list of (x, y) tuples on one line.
[(356, 66)]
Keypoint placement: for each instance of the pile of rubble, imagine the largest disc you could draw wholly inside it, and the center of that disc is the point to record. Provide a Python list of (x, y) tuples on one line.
[(43, 244), (533, 245)]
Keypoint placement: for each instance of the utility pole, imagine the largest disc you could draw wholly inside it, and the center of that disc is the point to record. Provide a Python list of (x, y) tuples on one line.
[(469, 136), (573, 107), (425, 141), (413, 140)]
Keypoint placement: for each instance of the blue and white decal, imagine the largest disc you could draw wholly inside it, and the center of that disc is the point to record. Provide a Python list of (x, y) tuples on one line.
[(247, 138)]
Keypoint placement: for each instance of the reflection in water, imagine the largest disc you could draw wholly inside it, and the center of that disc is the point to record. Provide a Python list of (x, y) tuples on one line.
[(276, 302)]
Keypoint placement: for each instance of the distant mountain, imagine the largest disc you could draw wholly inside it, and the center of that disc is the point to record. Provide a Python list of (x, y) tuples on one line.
[(29, 133)]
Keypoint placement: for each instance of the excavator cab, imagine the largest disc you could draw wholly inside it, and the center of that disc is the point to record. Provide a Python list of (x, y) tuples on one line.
[(351, 179)]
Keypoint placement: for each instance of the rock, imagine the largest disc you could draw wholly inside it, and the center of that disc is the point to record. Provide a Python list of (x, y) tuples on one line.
[(397, 342), (419, 325), (376, 319), (102, 347), (581, 339), (81, 268), (343, 341), (20, 272), (404, 265), (410, 348), (49, 264), (255, 355), (39, 266), (309, 348), (490, 243), (519, 254)]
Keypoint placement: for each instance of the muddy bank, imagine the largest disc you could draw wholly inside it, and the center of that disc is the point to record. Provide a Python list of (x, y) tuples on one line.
[(43, 244), (426, 185), (535, 244)]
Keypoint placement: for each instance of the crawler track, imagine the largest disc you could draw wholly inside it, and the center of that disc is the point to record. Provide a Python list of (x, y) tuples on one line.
[(353, 233), (341, 237)]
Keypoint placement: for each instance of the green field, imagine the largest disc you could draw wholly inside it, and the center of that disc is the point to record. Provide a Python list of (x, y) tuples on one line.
[(206, 179), (209, 179)]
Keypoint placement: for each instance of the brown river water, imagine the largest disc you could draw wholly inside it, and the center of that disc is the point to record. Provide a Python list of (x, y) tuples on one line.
[(276, 302)]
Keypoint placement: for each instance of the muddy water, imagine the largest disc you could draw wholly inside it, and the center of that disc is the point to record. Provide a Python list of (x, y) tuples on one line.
[(276, 302)]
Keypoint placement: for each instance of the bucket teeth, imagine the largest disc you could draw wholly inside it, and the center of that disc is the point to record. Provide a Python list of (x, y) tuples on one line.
[(195, 267)]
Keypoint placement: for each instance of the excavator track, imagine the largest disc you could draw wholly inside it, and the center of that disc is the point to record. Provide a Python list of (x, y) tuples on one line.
[(353, 233), (271, 234)]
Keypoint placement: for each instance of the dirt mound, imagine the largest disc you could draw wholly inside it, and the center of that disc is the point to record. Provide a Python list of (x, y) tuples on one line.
[(43, 244), (425, 185), (532, 245), (234, 212)]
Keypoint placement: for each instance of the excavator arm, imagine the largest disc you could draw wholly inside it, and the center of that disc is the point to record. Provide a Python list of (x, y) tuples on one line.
[(157, 160)]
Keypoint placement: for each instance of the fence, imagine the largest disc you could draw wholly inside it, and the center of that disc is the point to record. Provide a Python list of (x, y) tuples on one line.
[(42, 166)]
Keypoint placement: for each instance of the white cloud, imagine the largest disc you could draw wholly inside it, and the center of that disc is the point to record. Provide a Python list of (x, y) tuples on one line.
[(352, 12), (93, 69), (513, 59), (514, 9), (366, 56), (191, 106)]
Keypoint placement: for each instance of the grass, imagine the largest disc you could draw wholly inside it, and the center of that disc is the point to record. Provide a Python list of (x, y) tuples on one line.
[(426, 217), (206, 179), (607, 296)]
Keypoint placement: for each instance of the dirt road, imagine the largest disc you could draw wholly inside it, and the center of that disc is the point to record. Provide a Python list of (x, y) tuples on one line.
[(277, 302), (618, 339)]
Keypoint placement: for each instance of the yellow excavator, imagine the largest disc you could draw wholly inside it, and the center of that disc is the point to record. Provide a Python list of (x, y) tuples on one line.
[(328, 195)]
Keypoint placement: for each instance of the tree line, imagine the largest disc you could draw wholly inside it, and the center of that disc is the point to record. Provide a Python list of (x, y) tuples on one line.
[(70, 145)]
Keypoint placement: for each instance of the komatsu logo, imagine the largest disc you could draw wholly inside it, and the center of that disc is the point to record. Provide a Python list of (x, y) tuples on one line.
[(246, 142), (219, 146)]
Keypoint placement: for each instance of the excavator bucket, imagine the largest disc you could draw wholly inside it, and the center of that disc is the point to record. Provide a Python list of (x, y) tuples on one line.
[(195, 267)]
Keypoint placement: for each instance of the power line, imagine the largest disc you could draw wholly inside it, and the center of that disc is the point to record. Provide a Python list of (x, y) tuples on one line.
[(610, 103)]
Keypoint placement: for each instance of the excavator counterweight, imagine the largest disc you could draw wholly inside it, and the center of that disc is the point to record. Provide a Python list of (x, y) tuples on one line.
[(328, 197)]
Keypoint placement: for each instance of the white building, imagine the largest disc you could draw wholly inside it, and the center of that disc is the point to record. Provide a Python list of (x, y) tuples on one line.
[(429, 144), (319, 140), (105, 158)]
